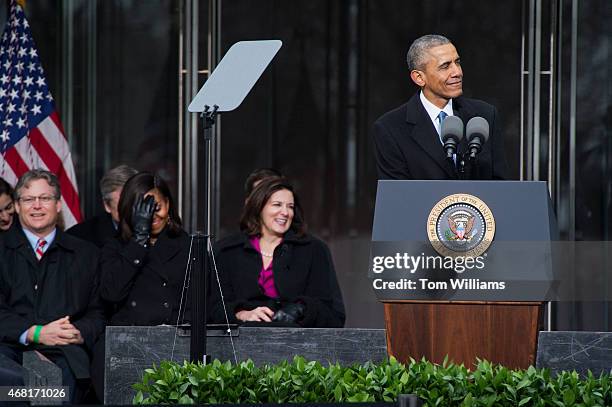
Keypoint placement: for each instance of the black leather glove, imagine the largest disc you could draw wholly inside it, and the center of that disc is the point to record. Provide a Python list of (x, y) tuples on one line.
[(142, 216), (291, 312)]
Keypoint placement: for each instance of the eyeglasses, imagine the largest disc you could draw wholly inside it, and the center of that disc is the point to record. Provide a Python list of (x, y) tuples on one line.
[(43, 199)]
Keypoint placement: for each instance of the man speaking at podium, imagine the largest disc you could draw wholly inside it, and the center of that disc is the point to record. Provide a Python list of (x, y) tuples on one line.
[(408, 139)]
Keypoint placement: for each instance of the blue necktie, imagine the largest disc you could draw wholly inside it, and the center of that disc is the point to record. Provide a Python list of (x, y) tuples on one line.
[(441, 116)]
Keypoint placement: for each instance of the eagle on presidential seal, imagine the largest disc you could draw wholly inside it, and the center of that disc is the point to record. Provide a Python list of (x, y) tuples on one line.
[(461, 223)]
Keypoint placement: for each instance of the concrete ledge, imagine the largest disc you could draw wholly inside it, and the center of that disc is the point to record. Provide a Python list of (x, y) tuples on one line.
[(130, 350), (36, 371), (573, 350)]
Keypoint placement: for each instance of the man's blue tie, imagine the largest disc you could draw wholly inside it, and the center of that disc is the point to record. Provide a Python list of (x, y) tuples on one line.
[(441, 116)]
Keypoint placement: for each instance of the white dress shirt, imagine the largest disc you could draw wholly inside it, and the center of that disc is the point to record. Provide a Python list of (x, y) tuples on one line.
[(433, 111)]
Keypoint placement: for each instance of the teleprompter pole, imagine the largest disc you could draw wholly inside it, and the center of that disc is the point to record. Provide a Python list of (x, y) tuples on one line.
[(225, 89), (201, 258)]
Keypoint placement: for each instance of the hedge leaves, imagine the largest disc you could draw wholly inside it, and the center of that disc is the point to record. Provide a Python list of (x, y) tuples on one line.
[(302, 381)]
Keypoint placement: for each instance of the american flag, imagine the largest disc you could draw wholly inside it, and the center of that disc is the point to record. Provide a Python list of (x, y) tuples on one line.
[(31, 133)]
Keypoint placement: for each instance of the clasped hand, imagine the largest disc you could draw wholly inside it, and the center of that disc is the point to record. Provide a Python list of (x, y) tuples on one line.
[(290, 313), (264, 314), (58, 332)]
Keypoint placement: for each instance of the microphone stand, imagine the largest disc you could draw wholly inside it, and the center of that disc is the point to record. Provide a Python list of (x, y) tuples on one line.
[(460, 165)]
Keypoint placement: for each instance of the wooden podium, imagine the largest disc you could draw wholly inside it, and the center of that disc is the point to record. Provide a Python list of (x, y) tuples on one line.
[(502, 326), (500, 332)]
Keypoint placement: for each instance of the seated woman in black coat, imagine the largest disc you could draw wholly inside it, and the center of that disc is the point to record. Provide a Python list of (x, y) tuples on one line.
[(273, 270), (143, 270)]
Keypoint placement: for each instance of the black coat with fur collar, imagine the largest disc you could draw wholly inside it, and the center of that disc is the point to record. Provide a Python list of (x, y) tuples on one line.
[(303, 272)]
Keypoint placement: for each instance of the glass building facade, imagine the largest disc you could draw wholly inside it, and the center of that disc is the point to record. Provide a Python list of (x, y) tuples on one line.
[(123, 71)]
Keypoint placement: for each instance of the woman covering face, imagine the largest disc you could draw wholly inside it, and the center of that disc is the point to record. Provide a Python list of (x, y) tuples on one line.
[(143, 270), (273, 271), (7, 206)]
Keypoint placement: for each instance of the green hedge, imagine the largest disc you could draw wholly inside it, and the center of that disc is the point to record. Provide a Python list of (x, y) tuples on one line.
[(309, 382)]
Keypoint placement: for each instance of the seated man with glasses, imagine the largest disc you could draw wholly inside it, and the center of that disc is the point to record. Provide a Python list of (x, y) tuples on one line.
[(49, 299)]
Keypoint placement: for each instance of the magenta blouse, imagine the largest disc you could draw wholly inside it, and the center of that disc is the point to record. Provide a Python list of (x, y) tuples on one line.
[(266, 276)]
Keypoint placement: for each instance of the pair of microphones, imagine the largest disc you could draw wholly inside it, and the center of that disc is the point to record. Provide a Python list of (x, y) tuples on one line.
[(476, 131)]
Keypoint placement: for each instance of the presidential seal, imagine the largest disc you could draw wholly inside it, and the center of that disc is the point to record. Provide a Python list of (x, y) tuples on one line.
[(461, 225)]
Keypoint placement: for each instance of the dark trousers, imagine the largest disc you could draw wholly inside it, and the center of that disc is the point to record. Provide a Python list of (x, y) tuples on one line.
[(12, 375), (97, 367), (11, 372)]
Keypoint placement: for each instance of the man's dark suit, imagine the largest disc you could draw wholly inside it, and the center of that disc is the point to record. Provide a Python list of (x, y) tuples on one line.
[(65, 282), (97, 230), (408, 146)]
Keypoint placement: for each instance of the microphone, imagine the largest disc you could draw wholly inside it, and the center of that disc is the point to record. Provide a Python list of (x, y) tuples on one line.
[(451, 134), (477, 130)]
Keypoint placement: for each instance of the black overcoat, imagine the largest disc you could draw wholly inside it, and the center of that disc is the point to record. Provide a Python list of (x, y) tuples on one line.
[(145, 285), (407, 145), (64, 282), (97, 230), (303, 271)]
